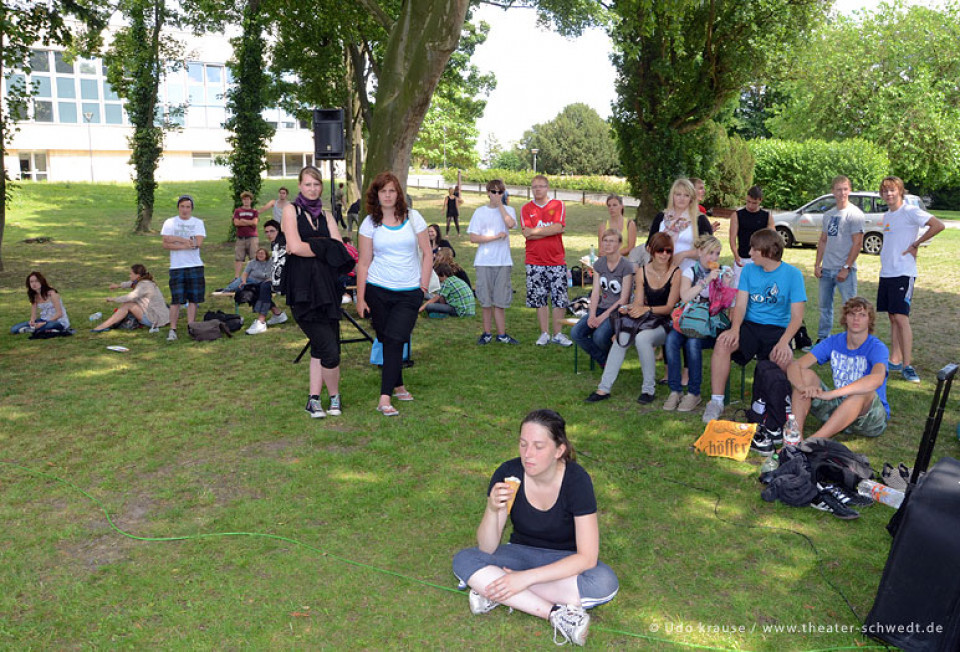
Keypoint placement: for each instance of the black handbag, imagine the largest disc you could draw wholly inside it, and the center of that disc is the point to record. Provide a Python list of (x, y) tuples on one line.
[(624, 324)]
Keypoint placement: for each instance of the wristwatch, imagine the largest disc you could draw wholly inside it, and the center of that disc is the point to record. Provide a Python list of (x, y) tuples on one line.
[(846, 267)]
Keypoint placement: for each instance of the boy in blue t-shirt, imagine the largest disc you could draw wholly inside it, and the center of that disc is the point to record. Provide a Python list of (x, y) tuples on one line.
[(768, 312), (858, 402)]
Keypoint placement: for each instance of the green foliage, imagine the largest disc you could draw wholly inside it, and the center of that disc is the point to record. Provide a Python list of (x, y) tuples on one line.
[(246, 101), (678, 65), (792, 173), (510, 160), (577, 141), (889, 76), (731, 174), (590, 183)]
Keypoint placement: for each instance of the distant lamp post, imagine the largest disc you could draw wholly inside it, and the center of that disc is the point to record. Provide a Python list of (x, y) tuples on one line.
[(88, 118), (535, 152)]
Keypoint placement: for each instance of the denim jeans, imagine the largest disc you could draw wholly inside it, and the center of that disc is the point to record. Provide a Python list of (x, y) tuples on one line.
[(676, 343), (595, 341), (53, 325), (828, 282)]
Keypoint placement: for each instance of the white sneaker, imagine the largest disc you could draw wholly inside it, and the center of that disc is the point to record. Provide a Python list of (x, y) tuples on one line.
[(572, 623), (544, 339), (561, 339), (345, 299), (480, 605), (172, 336), (714, 410), (277, 319), (257, 328)]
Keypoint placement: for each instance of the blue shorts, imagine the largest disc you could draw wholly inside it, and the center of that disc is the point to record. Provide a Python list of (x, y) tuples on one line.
[(596, 586), (187, 285)]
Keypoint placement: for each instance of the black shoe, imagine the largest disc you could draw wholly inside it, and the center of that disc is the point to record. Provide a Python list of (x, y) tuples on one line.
[(761, 444), (595, 398), (828, 502), (846, 496), (645, 398), (775, 436)]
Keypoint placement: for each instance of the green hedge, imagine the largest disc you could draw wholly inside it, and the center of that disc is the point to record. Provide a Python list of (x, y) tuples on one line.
[(597, 184), (792, 173)]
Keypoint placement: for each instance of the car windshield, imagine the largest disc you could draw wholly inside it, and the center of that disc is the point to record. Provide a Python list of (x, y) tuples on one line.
[(821, 205)]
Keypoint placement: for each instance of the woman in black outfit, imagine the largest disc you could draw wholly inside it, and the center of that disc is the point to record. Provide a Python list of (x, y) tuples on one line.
[(451, 208), (315, 256)]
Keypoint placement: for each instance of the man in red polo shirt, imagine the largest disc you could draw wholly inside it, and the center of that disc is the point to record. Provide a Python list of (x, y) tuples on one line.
[(543, 221)]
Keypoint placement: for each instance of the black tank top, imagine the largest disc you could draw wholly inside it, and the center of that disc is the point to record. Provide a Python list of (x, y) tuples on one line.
[(747, 224), (660, 296)]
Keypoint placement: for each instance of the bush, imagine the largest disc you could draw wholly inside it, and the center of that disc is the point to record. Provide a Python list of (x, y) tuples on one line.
[(792, 173), (593, 183), (509, 160)]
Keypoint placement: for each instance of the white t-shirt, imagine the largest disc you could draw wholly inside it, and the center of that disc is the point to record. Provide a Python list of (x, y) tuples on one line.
[(683, 242), (396, 258), (189, 228), (900, 230), (487, 220)]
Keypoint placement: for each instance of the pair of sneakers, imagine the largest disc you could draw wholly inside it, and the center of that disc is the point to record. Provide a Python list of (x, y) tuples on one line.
[(765, 441), (315, 408), (839, 501), (486, 338), (558, 338), (570, 622), (681, 402)]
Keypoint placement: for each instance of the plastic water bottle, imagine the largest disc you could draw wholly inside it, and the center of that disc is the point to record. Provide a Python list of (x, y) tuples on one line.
[(569, 279), (593, 256), (759, 408), (770, 464), (791, 431), (880, 493), (97, 316)]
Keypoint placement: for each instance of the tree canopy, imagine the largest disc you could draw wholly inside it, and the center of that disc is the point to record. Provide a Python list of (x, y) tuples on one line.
[(889, 76), (577, 141)]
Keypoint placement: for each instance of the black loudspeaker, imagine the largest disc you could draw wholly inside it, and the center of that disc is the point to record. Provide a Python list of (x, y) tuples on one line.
[(328, 134)]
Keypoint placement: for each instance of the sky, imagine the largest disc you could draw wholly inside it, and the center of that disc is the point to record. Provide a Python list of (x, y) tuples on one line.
[(570, 70)]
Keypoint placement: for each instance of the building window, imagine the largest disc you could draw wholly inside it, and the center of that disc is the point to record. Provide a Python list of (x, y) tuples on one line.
[(33, 166), (202, 160)]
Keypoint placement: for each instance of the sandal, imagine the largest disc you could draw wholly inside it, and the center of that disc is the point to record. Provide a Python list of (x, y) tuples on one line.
[(403, 396), (388, 410)]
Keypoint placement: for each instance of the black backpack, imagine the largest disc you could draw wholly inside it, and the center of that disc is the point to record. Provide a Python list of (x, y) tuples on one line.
[(232, 322), (770, 384)]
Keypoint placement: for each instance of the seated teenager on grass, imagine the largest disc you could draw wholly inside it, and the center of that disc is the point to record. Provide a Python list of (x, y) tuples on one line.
[(857, 404), (144, 301), (46, 308), (550, 568), (349, 280), (655, 295), (445, 255), (258, 276), (437, 241), (768, 312), (694, 287), (454, 297), (612, 283)]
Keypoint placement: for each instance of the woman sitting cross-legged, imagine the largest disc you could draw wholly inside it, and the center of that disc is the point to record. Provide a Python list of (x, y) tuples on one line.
[(656, 292), (550, 568), (46, 308), (694, 288), (144, 301), (256, 282)]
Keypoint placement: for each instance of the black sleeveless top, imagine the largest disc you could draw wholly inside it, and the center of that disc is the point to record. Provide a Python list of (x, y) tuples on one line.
[(747, 224), (310, 284), (660, 296)]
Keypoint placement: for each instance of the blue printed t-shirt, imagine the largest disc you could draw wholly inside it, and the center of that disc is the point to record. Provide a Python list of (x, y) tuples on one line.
[(771, 293), (848, 365), (553, 528)]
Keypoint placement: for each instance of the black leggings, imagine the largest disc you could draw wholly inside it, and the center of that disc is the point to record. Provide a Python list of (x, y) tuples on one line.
[(394, 314), (324, 336), (456, 221)]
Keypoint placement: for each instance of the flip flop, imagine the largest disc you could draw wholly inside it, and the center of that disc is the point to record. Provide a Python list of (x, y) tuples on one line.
[(403, 396), (388, 410)]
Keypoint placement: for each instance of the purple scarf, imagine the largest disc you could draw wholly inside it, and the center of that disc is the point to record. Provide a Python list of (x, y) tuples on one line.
[(314, 207)]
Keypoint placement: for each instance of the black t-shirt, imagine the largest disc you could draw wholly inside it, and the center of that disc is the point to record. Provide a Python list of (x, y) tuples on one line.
[(747, 224), (554, 528)]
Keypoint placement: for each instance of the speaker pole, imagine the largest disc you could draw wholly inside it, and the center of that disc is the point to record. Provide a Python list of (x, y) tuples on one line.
[(333, 197)]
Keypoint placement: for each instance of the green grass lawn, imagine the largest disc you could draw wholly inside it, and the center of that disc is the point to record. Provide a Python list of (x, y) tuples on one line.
[(188, 439)]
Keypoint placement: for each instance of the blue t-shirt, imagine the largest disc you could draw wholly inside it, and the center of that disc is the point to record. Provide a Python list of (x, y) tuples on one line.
[(850, 365), (771, 293)]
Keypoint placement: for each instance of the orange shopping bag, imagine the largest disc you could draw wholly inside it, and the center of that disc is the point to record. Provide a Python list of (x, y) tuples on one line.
[(726, 439)]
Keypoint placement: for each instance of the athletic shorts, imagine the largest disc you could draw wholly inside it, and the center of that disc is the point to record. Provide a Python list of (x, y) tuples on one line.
[(246, 248), (494, 289), (870, 424), (894, 294), (187, 285), (756, 341), (546, 283)]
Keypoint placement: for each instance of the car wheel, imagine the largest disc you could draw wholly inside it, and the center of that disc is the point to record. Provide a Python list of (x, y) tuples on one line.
[(788, 239), (873, 243)]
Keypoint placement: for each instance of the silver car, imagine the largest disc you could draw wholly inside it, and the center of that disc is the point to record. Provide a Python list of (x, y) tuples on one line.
[(803, 225)]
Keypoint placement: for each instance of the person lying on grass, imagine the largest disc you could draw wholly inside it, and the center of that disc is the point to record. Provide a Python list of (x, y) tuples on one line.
[(144, 301), (857, 404), (550, 567)]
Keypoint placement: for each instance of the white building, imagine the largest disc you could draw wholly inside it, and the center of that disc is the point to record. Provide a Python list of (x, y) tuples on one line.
[(77, 129)]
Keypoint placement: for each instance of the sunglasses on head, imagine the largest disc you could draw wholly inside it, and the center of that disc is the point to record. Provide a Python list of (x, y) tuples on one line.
[(496, 192)]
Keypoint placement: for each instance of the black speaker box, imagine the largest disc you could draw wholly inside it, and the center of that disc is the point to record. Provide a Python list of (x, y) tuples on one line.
[(328, 134)]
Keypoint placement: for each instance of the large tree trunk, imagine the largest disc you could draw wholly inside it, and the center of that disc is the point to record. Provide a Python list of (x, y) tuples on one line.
[(422, 40), (353, 142)]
